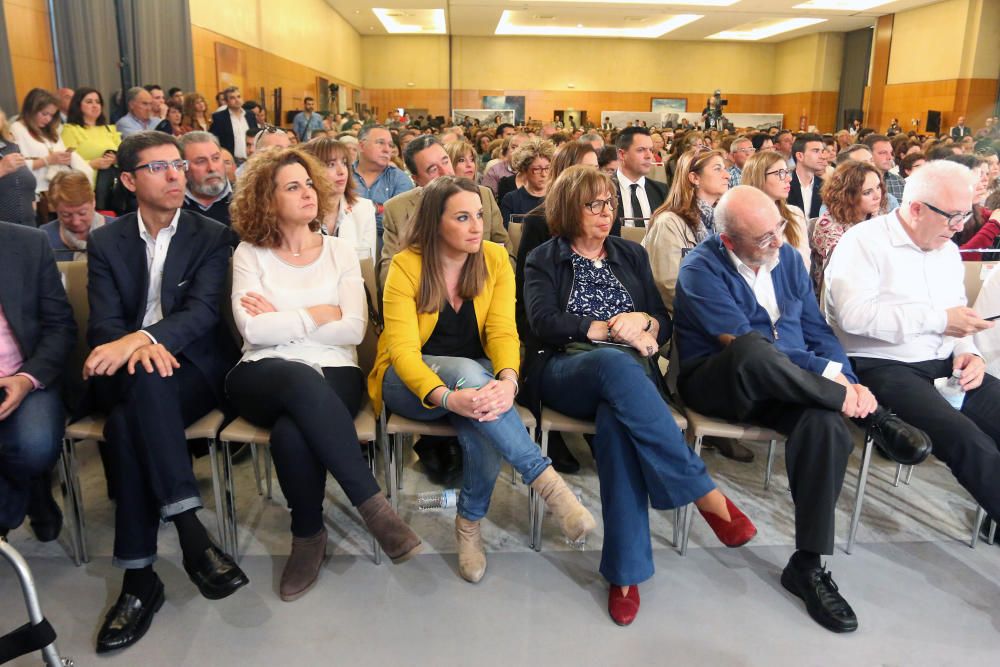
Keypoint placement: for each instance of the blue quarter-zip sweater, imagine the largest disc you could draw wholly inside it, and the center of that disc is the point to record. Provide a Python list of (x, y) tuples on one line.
[(713, 299)]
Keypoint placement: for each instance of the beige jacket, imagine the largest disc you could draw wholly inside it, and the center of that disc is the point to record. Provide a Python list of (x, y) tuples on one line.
[(399, 212), (666, 240)]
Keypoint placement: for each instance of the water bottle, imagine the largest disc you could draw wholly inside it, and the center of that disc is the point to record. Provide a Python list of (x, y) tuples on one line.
[(951, 389), (581, 543), (437, 499)]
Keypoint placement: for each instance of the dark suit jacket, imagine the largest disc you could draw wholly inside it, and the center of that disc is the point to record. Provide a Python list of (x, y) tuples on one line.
[(194, 279), (34, 302), (656, 192), (222, 127), (959, 132), (795, 195)]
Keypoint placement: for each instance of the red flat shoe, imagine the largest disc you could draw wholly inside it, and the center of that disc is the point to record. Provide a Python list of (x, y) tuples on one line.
[(623, 608), (733, 533)]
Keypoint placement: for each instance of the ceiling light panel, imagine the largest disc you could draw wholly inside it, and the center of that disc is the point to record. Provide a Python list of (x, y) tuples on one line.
[(842, 5), (512, 24), (412, 21), (673, 3), (763, 29)]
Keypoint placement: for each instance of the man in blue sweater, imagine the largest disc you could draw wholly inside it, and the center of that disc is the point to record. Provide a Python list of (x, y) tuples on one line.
[(754, 347)]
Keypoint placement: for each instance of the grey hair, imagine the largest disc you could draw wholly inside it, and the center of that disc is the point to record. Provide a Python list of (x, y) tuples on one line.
[(845, 155), (133, 93), (367, 129), (925, 183), (198, 137)]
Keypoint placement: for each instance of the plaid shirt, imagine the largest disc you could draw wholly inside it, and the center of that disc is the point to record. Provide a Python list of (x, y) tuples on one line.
[(894, 185), (735, 176)]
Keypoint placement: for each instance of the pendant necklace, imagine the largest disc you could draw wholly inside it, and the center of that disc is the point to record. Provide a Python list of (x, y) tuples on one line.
[(598, 261)]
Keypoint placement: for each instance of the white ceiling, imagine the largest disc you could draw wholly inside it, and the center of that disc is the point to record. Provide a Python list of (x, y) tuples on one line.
[(481, 17)]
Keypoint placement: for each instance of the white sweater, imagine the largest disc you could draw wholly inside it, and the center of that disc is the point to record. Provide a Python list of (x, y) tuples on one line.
[(356, 224), (290, 333), (33, 148)]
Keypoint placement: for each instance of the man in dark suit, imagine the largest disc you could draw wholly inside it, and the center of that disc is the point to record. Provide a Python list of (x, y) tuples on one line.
[(960, 130), (809, 161), (231, 124), (37, 333), (155, 280), (638, 196)]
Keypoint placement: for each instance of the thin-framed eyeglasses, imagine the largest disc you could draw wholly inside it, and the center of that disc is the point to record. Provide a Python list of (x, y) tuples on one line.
[(954, 219), (160, 166), (598, 205), (540, 170), (782, 173), (771, 237)]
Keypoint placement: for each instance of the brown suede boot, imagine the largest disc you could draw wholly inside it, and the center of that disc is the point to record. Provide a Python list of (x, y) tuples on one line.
[(574, 519), (471, 555), (302, 568), (397, 540)]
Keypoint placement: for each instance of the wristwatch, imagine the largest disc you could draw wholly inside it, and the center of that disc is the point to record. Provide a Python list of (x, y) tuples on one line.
[(649, 322)]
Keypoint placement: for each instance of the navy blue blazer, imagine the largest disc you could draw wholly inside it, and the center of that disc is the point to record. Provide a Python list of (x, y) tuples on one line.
[(34, 302), (194, 282), (222, 128)]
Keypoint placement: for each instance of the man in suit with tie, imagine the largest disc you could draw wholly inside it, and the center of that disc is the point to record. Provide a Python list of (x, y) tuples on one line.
[(232, 123), (155, 281), (37, 334), (960, 130), (638, 196), (809, 161)]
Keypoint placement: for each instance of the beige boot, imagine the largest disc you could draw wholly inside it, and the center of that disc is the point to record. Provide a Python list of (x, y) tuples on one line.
[(396, 539), (302, 568), (574, 519), (471, 555)]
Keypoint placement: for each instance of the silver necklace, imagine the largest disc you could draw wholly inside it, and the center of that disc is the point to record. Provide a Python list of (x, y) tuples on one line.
[(598, 261)]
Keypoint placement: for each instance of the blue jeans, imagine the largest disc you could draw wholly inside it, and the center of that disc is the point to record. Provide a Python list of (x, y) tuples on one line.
[(29, 446), (641, 456), (484, 444)]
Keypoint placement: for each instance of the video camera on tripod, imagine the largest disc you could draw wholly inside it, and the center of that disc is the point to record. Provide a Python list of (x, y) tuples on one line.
[(713, 110)]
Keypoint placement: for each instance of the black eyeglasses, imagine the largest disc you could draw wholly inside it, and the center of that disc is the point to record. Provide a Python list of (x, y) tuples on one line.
[(598, 205), (782, 173), (954, 219), (160, 166)]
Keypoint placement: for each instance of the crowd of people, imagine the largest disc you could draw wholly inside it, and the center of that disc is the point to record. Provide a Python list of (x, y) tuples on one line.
[(796, 280)]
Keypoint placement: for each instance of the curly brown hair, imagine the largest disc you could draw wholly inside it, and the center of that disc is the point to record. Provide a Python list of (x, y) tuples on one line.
[(841, 192), (252, 210), (530, 151)]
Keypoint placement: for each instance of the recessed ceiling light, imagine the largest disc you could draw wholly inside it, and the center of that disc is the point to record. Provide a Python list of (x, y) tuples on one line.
[(842, 5), (427, 21), (764, 29), (506, 27), (579, 25), (687, 3)]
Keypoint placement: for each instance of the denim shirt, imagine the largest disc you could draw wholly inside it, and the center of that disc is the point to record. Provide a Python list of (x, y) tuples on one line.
[(391, 182)]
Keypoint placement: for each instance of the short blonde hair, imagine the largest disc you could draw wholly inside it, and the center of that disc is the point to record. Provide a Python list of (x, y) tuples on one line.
[(70, 188)]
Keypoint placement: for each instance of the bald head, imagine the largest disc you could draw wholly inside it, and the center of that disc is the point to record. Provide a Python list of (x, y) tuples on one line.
[(750, 225)]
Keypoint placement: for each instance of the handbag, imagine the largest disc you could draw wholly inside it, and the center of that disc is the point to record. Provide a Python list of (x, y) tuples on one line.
[(650, 364)]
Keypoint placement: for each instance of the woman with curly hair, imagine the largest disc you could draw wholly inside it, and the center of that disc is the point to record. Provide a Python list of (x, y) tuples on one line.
[(194, 114), (299, 302), (531, 164), (855, 192)]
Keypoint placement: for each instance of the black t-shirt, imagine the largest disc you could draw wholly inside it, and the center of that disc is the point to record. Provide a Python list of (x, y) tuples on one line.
[(456, 334)]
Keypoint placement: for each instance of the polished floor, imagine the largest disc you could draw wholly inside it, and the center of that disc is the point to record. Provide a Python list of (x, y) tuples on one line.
[(922, 595)]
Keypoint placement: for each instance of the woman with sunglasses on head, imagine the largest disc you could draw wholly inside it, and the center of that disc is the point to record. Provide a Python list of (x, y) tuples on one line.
[(450, 350), (854, 193), (585, 289), (769, 173)]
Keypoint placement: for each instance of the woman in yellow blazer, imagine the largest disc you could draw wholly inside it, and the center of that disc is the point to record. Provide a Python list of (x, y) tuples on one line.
[(450, 350)]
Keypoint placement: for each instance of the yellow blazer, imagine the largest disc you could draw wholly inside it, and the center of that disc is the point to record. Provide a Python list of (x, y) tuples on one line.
[(406, 330)]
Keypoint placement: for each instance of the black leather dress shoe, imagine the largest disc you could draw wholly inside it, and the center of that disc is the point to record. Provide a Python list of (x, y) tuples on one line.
[(46, 517), (898, 440), (562, 459), (984, 530), (215, 574), (816, 588), (128, 620)]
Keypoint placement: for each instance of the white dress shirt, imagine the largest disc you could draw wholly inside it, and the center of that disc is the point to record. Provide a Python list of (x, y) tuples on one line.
[(762, 285), (807, 193), (240, 127), (988, 305), (625, 186), (887, 299), (290, 333), (156, 256)]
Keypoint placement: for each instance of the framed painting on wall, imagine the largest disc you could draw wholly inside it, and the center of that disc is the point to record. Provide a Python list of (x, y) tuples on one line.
[(230, 66), (668, 104)]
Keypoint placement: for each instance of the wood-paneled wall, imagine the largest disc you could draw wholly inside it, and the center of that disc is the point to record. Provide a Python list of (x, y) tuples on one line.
[(972, 98), (820, 108), (258, 68), (30, 46)]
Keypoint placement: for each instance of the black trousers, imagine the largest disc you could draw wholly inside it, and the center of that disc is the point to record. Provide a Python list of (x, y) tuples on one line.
[(311, 417), (753, 381), (152, 476), (966, 441)]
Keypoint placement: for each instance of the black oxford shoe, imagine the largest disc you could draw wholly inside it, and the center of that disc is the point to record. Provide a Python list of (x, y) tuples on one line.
[(215, 574), (128, 620), (45, 516), (825, 604), (898, 440)]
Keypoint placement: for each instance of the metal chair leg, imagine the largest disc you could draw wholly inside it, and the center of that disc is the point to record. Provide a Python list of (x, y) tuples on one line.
[(213, 455), (256, 467), (899, 472), (859, 497), (980, 513), (397, 441), (387, 466), (688, 514), (69, 506), (267, 470), (49, 653), (230, 500), (770, 463), (993, 532), (677, 527), (535, 505), (73, 485), (909, 474), (373, 465)]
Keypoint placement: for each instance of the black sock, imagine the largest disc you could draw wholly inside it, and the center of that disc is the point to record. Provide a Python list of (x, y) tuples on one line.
[(140, 582), (805, 560), (194, 539)]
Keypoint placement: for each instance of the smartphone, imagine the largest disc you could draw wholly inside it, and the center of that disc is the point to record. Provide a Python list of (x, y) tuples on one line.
[(628, 347), (992, 317)]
